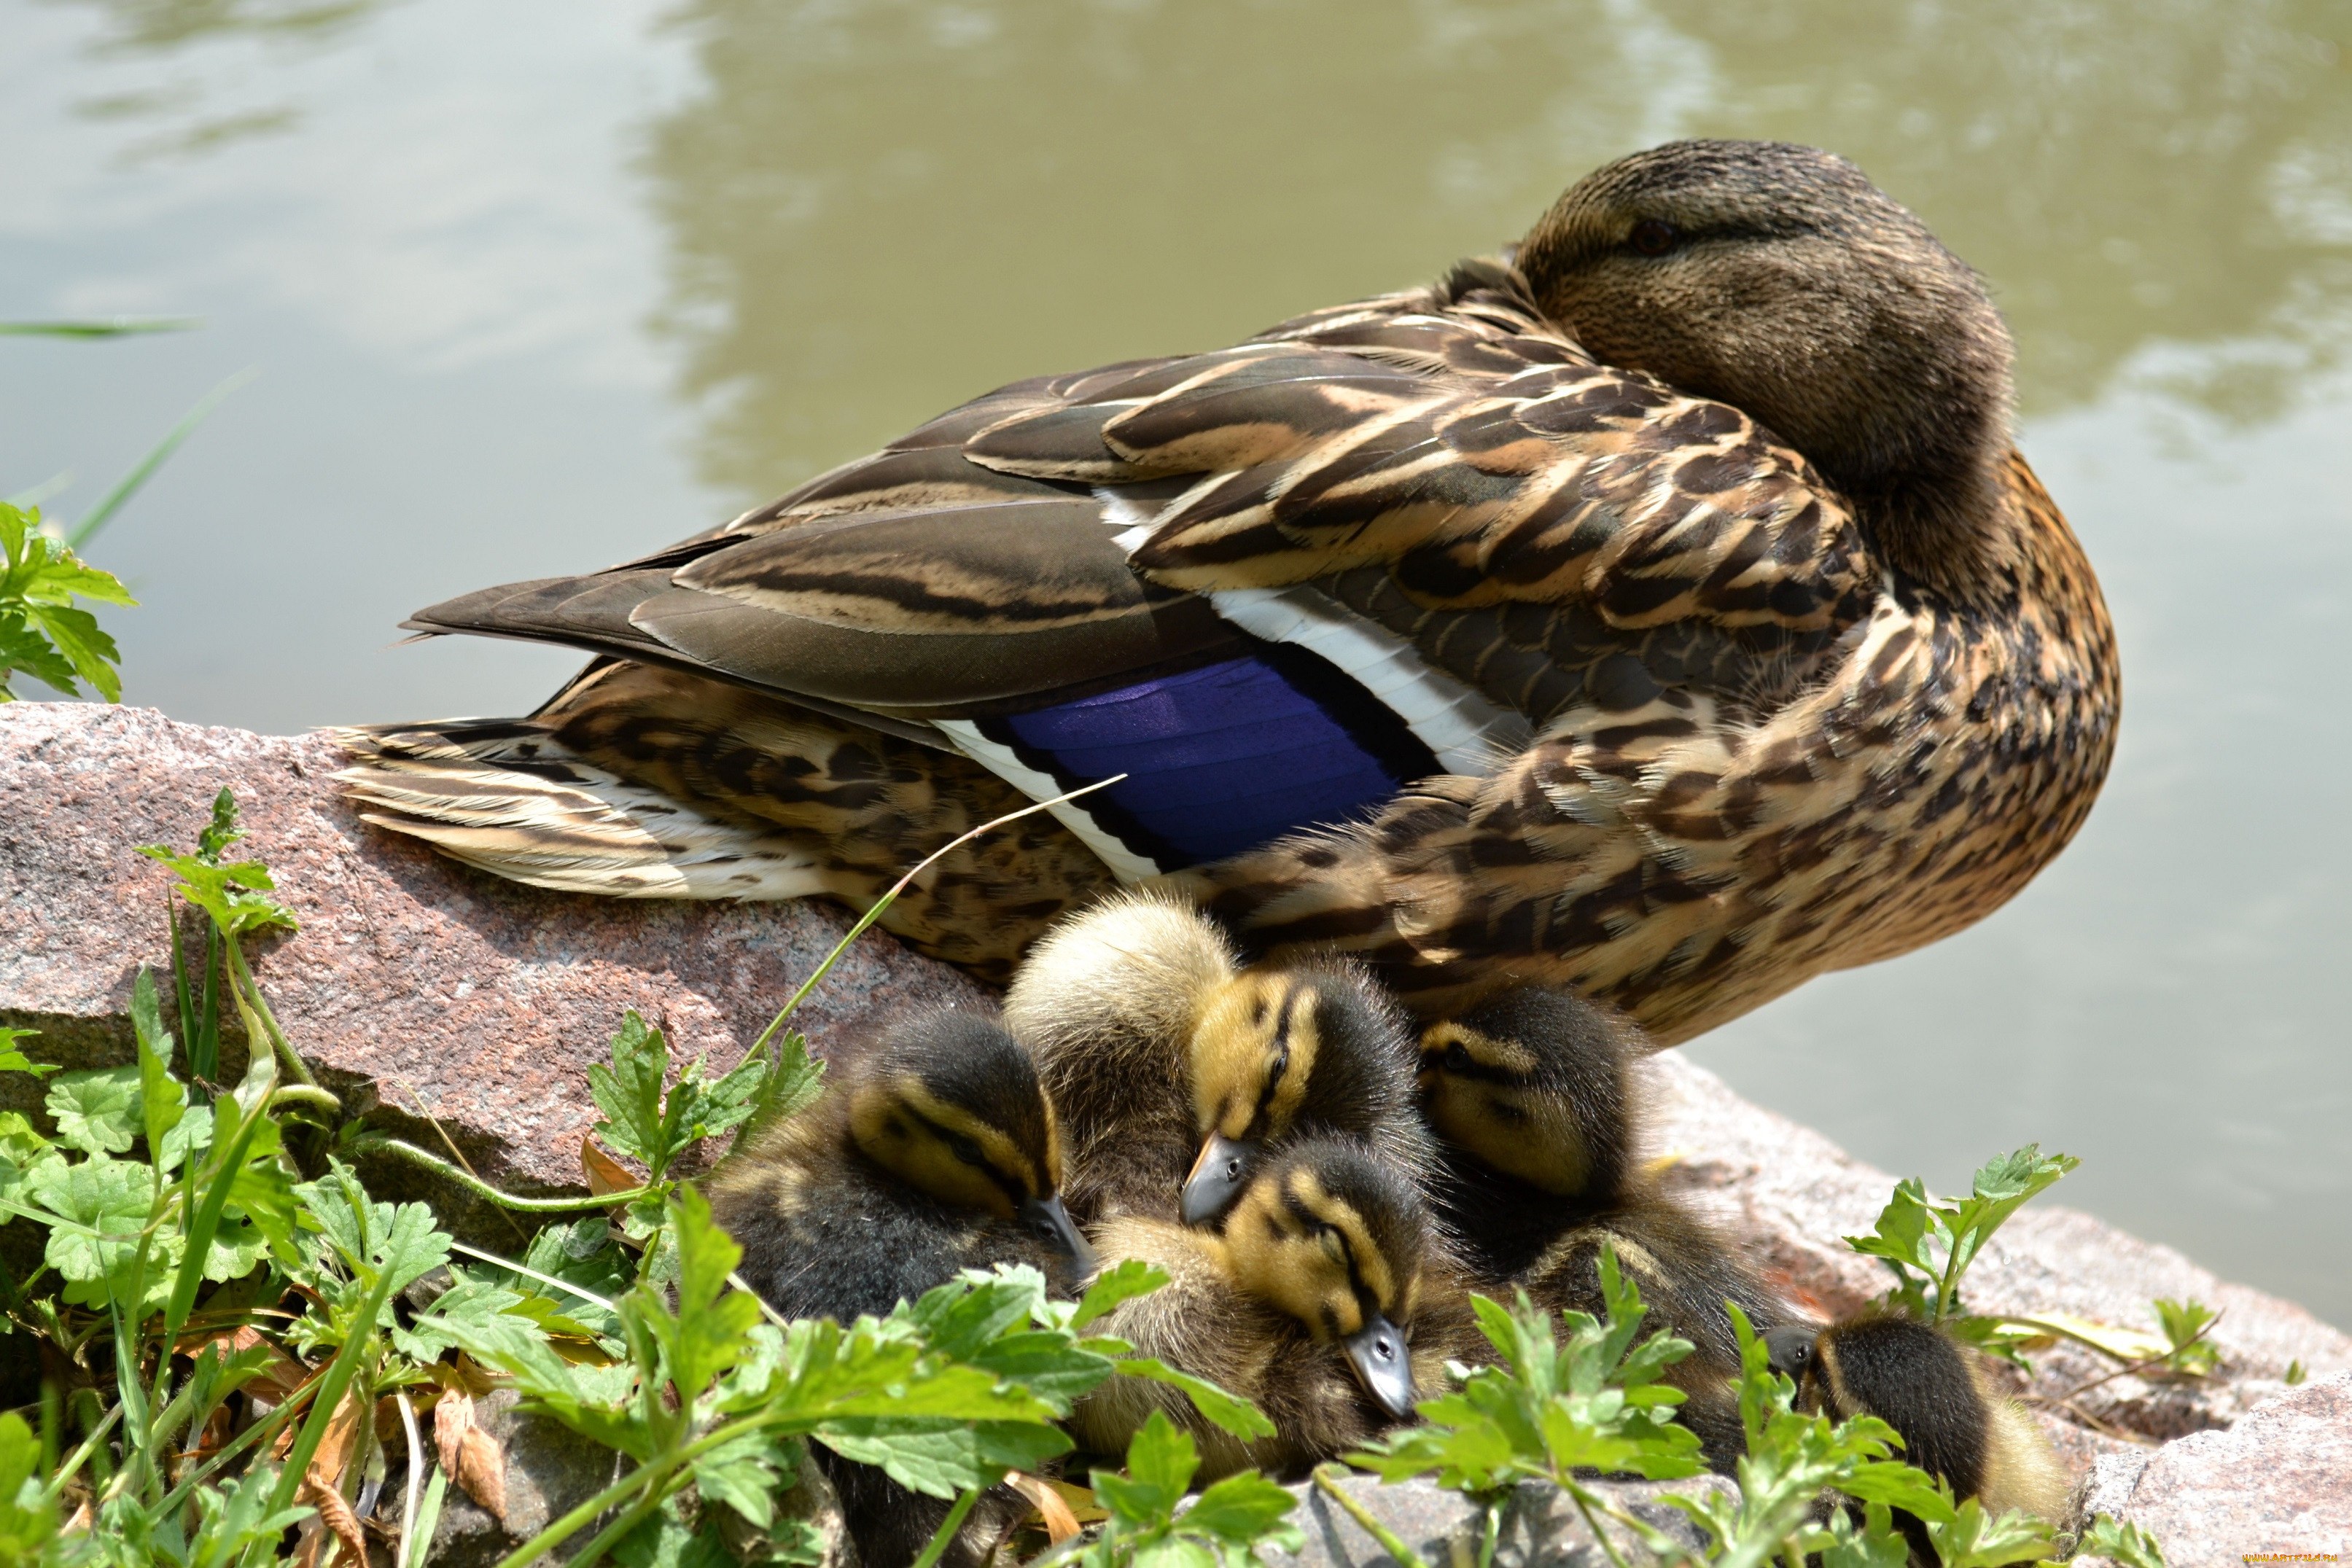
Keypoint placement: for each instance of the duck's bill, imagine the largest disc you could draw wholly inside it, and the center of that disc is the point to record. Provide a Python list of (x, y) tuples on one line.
[(1217, 1179), (1052, 1224), (1383, 1363)]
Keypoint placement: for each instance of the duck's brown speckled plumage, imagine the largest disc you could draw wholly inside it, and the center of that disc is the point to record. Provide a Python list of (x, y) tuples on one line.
[(1760, 749)]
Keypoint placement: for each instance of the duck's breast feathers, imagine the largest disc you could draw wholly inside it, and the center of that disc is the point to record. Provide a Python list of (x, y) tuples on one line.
[(1269, 584)]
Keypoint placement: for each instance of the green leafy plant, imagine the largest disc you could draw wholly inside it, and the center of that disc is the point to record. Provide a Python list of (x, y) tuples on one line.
[(1230, 1521), (1551, 1410), (243, 1335), (2186, 1326), (2120, 1542), (44, 633), (1929, 1244)]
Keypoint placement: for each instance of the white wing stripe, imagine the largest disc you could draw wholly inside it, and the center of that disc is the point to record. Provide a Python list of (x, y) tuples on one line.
[(1124, 863), (1468, 733)]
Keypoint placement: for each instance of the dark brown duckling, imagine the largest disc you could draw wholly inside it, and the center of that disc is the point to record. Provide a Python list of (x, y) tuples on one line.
[(937, 1153), (1177, 1072), (1934, 1391), (1537, 1114), (1317, 1301)]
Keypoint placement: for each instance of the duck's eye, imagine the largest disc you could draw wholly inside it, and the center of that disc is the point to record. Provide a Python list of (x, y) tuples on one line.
[(967, 1151), (1457, 1058), (1652, 236)]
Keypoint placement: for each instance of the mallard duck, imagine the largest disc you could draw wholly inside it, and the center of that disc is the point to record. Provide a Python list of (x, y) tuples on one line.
[(1536, 1115), (1176, 1069), (937, 1152), (1658, 610), (1934, 1391), (1310, 1303)]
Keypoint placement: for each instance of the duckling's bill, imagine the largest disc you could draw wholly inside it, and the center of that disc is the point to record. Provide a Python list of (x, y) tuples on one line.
[(1051, 1223), (1382, 1362), (1217, 1178)]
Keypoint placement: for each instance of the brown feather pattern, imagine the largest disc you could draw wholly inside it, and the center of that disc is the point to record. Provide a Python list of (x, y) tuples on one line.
[(1759, 752)]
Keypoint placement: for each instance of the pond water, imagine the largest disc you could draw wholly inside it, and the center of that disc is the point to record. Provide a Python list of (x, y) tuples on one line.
[(532, 287)]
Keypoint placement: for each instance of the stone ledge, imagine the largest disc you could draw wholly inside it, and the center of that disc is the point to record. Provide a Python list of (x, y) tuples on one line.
[(417, 985)]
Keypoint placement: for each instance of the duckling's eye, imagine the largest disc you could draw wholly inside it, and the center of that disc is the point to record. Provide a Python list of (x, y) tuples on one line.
[(1457, 1058), (967, 1151), (1652, 236)]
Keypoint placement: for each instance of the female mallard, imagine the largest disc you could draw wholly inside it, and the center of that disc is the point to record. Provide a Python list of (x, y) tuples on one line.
[(1661, 612)]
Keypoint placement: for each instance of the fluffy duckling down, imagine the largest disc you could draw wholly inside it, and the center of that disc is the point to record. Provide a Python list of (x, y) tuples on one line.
[(1935, 1392), (1178, 1072), (1316, 1301), (1537, 1110), (936, 1153)]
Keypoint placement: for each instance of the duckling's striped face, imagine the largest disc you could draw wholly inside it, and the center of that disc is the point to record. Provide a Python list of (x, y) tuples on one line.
[(946, 1149), (1336, 1243), (1492, 1099), (1292, 1241), (951, 1105), (1254, 1050), (1313, 1048)]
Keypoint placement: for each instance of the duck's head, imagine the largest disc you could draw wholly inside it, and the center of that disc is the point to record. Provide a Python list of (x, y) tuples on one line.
[(1335, 1240), (1312, 1048), (1533, 1085), (1779, 280), (951, 1105)]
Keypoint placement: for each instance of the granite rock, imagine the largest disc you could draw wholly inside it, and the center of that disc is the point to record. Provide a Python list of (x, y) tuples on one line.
[(1792, 1194), (2278, 1484), (415, 987), (1540, 1528), (419, 987)]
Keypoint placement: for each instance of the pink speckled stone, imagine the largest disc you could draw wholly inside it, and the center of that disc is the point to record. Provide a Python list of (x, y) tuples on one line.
[(413, 981), (2277, 1484)]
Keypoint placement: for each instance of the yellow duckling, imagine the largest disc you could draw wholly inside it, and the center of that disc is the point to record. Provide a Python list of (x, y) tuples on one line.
[(1660, 612), (1314, 1303), (936, 1153), (1176, 1070)]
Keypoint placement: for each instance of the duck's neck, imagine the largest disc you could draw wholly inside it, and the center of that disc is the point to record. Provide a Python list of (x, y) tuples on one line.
[(1949, 526)]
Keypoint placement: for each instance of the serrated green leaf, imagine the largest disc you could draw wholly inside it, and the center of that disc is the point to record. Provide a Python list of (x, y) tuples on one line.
[(745, 1475), (83, 643), (1973, 1539), (2121, 1542), (14, 1060), (794, 1084), (1163, 1458), (667, 1541), (1228, 1411), (24, 648), (97, 1109), (629, 1092), (1242, 1510), (1123, 1282), (940, 1457), (709, 1331)]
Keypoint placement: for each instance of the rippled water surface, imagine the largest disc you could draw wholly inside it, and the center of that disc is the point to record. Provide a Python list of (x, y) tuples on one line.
[(533, 287)]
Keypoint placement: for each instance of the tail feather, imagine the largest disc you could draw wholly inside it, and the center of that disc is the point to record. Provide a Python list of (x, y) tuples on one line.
[(506, 796)]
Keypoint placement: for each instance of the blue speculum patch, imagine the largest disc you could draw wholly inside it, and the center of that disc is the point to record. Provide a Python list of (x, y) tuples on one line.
[(1226, 757)]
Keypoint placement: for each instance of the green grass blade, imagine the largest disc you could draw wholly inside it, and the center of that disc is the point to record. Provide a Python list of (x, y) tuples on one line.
[(128, 486), (113, 327)]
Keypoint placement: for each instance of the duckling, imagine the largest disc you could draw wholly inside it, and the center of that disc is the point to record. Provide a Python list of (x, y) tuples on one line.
[(936, 1153), (1535, 1108), (1176, 1070), (1316, 1301), (1510, 628), (1934, 1391)]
